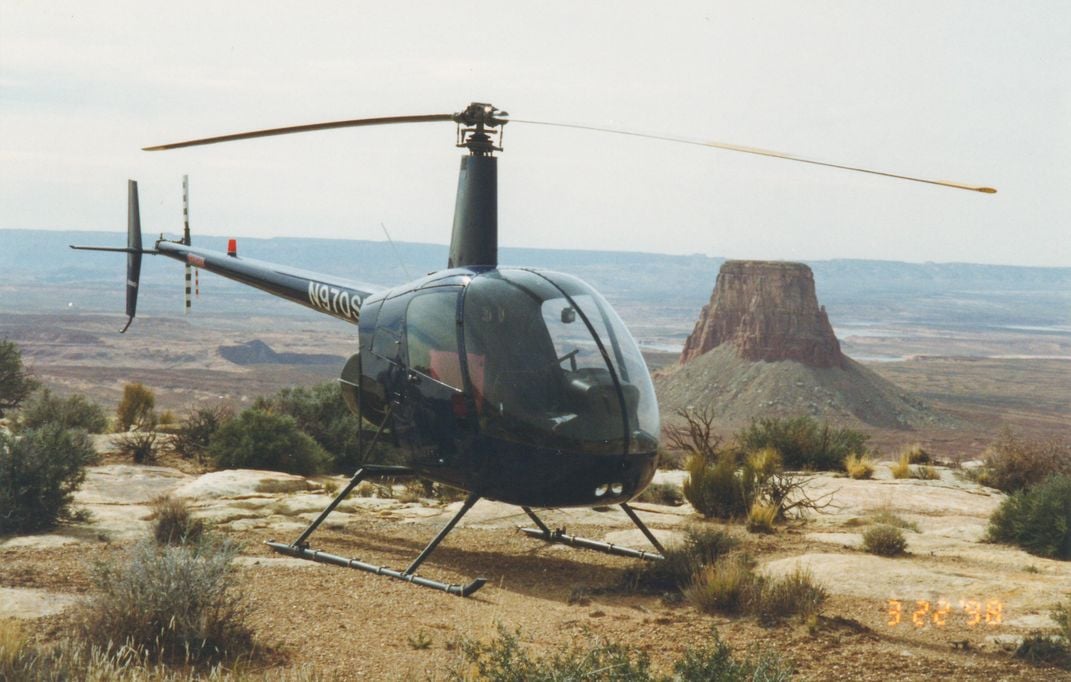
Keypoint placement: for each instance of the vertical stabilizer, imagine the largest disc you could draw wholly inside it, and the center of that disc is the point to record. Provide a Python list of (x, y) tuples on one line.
[(133, 255)]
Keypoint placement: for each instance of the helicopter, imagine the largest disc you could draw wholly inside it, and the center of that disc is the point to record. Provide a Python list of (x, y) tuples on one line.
[(512, 384)]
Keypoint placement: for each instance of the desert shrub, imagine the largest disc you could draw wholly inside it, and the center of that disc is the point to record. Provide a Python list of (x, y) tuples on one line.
[(761, 517), (1061, 613), (859, 466), (725, 482), (260, 440), (174, 524), (803, 442), (795, 594), (16, 384), (135, 408), (320, 412), (139, 446), (916, 455), (39, 472), (719, 488), (1037, 519), (925, 472), (902, 468), (177, 603), (884, 540), (714, 662), (167, 422), (1013, 463), (703, 545), (1041, 649), (503, 659), (728, 487), (74, 412), (729, 585), (192, 437), (662, 493)]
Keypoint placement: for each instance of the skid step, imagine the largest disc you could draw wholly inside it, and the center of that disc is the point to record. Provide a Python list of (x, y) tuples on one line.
[(323, 557)]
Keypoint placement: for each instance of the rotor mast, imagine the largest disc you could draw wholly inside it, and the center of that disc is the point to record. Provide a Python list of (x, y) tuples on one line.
[(474, 238)]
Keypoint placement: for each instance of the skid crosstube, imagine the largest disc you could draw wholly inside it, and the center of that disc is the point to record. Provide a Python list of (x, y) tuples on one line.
[(559, 536)]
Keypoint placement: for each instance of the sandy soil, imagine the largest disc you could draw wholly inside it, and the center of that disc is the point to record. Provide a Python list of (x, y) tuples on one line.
[(352, 625)]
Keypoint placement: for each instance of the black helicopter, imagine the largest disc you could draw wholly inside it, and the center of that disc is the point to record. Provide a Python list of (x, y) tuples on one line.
[(514, 384)]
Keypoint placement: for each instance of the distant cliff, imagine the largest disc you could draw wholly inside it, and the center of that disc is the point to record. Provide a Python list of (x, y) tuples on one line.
[(767, 310), (764, 347)]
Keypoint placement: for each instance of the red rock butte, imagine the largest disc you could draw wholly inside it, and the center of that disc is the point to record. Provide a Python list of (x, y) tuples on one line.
[(768, 311)]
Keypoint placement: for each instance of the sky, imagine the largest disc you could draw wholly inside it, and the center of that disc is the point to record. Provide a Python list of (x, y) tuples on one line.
[(977, 92)]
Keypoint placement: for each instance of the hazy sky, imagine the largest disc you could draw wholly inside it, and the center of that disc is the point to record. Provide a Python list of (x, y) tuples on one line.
[(975, 91)]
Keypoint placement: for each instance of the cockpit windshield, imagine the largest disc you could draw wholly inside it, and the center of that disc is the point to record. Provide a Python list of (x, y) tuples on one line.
[(550, 362)]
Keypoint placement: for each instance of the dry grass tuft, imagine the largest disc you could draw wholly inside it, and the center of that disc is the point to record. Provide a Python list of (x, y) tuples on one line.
[(174, 523), (902, 468), (731, 586), (726, 586), (859, 466), (761, 517), (916, 455), (12, 646)]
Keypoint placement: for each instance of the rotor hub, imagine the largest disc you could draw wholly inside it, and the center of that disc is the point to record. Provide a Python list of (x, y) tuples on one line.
[(479, 128)]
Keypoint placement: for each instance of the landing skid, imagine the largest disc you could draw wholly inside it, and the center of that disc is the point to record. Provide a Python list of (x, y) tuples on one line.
[(559, 536), (300, 547)]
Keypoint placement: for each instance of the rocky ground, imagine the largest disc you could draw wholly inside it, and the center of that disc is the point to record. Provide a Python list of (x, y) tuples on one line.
[(351, 625)]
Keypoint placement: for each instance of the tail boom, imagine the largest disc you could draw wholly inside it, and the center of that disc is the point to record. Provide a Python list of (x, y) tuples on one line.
[(333, 296)]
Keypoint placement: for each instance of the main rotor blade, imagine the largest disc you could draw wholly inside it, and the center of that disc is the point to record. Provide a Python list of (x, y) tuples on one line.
[(353, 123), (758, 151)]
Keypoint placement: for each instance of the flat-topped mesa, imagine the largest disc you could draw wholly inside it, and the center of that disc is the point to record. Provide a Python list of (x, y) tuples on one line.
[(768, 311)]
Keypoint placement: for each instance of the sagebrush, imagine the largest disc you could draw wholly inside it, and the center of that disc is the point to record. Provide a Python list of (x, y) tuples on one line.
[(1038, 519), (73, 412), (39, 471), (1013, 462), (884, 540), (176, 602), (261, 440), (193, 436), (803, 442), (320, 412), (16, 384)]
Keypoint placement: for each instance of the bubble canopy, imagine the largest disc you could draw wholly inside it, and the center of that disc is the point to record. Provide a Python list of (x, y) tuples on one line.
[(548, 361)]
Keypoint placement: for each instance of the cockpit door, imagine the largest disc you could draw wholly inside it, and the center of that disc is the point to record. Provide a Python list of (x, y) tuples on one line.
[(435, 406)]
